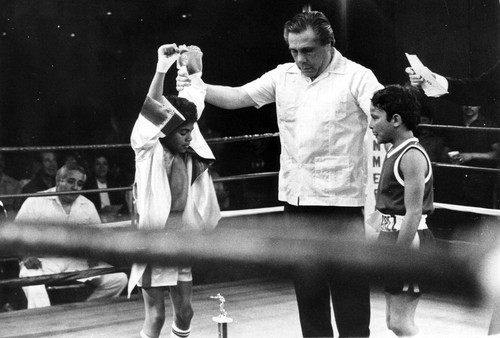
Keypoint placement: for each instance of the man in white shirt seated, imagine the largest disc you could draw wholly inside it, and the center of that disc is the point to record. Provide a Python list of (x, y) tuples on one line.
[(71, 209)]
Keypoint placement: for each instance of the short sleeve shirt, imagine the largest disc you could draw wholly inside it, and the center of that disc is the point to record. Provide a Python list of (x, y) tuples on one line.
[(49, 210), (322, 125)]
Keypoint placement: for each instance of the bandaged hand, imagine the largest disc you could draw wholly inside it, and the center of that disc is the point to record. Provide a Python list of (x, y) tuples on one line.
[(167, 56), (191, 58)]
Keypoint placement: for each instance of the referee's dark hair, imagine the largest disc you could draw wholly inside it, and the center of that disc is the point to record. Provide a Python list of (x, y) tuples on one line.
[(318, 22)]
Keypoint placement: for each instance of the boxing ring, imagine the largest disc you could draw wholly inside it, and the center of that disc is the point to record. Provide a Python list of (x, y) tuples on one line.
[(254, 237), (263, 307)]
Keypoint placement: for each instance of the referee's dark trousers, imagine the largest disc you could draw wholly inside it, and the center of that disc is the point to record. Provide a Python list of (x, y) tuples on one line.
[(314, 285)]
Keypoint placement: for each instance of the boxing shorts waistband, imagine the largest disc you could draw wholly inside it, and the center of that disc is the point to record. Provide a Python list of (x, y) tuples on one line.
[(391, 223)]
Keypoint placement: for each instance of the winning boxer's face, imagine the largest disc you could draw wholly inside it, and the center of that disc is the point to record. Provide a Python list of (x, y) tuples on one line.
[(309, 54), (178, 141)]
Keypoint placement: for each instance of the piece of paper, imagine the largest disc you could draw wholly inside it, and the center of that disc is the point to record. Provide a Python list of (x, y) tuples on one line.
[(430, 85)]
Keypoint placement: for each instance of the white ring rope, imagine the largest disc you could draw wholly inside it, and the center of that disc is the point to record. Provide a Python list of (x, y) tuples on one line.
[(454, 207), (465, 208)]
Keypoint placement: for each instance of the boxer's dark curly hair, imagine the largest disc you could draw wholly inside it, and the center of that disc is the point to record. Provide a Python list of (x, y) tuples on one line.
[(401, 100), (184, 106)]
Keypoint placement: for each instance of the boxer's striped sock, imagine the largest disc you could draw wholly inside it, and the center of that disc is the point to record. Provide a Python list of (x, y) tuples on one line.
[(178, 333)]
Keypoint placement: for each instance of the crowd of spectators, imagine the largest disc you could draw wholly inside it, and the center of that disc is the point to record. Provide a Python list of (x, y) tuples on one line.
[(472, 152), (102, 172), (106, 170), (463, 185)]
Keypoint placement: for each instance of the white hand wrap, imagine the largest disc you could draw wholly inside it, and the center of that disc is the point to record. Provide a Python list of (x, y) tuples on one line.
[(164, 61)]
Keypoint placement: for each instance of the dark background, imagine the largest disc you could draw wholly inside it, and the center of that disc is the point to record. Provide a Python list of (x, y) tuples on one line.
[(77, 72)]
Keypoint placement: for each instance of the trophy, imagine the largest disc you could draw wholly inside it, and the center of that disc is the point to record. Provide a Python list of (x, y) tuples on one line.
[(222, 319)]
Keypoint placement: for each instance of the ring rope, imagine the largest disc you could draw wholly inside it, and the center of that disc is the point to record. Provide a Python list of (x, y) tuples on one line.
[(60, 148), (215, 180), (263, 246), (465, 167), (60, 278), (228, 139), (454, 207), (458, 128), (218, 140), (227, 179), (127, 145), (57, 193), (246, 176), (249, 212), (465, 208)]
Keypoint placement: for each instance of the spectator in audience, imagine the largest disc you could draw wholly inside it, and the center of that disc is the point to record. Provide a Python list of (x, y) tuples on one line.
[(109, 205), (45, 178), (72, 209), (487, 147), (9, 186), (467, 186)]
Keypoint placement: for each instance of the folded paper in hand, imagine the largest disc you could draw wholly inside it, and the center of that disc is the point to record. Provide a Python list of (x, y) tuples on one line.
[(430, 85)]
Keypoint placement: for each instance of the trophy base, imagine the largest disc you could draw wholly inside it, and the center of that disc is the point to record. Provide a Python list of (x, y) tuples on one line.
[(222, 319)]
